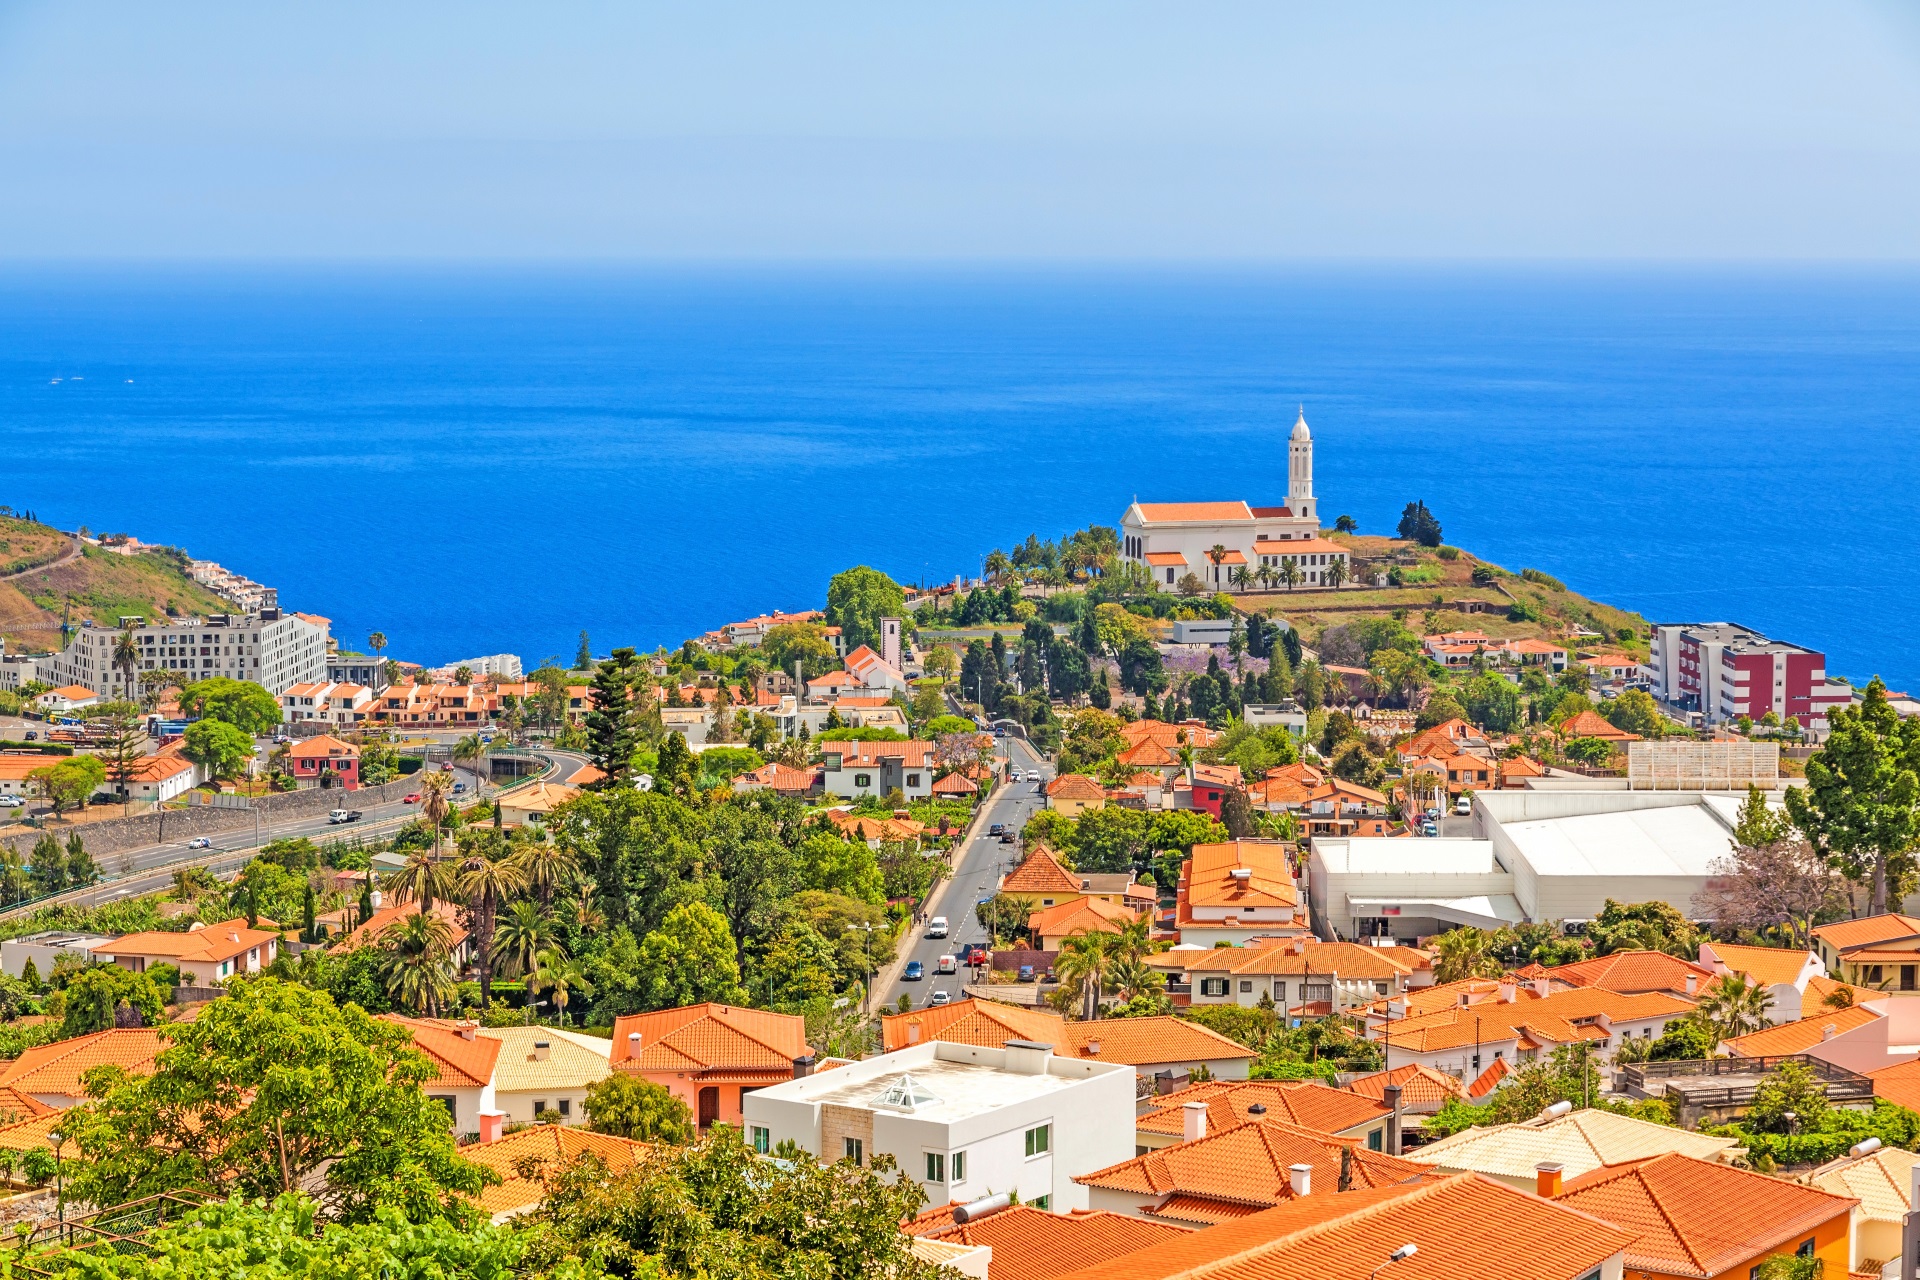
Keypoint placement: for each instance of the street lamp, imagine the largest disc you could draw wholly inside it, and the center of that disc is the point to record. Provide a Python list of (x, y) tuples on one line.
[(58, 1140)]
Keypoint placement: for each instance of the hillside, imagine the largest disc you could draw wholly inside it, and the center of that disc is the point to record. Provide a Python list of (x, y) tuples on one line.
[(1429, 602), (94, 584)]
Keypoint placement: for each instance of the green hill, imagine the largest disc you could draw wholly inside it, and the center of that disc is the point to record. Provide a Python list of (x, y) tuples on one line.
[(45, 572)]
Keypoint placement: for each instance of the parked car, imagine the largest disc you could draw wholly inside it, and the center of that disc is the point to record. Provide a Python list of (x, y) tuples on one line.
[(32, 735), (974, 953), (412, 797), (11, 802), (937, 927), (200, 842), (1429, 828), (914, 971), (947, 964), (940, 998), (1008, 837), (1463, 806), (1026, 973), (339, 816)]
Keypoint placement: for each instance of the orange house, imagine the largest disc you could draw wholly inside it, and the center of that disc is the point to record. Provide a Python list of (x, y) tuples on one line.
[(1699, 1220), (711, 1055)]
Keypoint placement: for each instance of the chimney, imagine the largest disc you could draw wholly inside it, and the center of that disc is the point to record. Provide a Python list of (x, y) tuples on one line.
[(1693, 984), (1093, 1048), (633, 1044), (1546, 1179), (1300, 1178), (913, 1033), (541, 1050), (1509, 989), (1194, 1125), (803, 1066), (1391, 1096), (492, 1123), (467, 1030), (1542, 987), (1826, 1033)]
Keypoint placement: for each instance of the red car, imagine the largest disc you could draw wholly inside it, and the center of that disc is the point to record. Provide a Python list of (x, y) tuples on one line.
[(413, 798)]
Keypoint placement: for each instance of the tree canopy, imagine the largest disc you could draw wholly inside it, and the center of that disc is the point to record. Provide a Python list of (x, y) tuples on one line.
[(1861, 805), (243, 704), (221, 747), (857, 599)]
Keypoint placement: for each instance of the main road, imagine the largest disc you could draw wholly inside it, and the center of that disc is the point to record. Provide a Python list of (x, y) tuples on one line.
[(976, 871)]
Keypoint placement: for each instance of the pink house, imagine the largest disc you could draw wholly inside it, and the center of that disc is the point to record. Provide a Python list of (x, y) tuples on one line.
[(326, 756), (709, 1055)]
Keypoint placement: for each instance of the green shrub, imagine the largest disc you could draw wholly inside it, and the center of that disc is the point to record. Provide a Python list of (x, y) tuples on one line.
[(1543, 578), (1449, 553)]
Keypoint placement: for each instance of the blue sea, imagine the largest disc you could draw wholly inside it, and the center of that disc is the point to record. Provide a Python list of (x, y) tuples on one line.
[(481, 460)]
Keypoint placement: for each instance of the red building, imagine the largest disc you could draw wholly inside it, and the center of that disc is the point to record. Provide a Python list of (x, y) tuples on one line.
[(1725, 671), (324, 758)]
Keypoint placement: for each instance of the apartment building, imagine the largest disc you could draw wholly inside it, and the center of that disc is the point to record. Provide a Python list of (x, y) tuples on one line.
[(270, 648), (1723, 671)]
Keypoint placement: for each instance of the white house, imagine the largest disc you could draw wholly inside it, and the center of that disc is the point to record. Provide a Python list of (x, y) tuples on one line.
[(328, 702), (71, 697), (962, 1120), (159, 777), (878, 768)]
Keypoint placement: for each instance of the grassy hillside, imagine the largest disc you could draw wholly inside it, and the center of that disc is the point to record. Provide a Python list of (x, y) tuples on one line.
[(95, 584), (1427, 603)]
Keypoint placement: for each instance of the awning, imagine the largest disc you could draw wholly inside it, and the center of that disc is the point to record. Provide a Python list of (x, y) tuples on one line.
[(1484, 912)]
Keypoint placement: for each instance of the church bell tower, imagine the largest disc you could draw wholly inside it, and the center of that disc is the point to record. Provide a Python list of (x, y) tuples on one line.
[(1300, 470)]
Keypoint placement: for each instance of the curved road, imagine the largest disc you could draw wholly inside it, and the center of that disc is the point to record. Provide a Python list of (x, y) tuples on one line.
[(73, 550)]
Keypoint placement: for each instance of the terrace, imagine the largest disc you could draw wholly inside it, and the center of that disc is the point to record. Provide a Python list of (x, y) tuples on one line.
[(1718, 1090)]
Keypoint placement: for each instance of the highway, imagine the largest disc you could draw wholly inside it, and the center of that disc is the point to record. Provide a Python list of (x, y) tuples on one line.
[(977, 869)]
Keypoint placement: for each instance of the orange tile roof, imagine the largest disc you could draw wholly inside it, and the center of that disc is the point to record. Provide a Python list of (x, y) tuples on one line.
[(1147, 755), (1899, 1084), (1698, 1217), (385, 918), (56, 1068), (459, 1062), (709, 1039), (1075, 786), (1082, 915), (1813, 998), (1798, 1037), (1419, 1085), (780, 777), (1562, 1018), (21, 1106), (1870, 931), (1193, 732), (1633, 972), (71, 693), (1033, 1244), (1465, 1225), (1207, 879), (546, 1151), (987, 1023), (1294, 956), (856, 754), (1489, 1080), (1144, 1042), (1305, 1103), (1248, 1165), (1040, 872), (223, 940), (1184, 512), (953, 784), (1769, 966), (323, 746), (1136, 1041), (1591, 724)]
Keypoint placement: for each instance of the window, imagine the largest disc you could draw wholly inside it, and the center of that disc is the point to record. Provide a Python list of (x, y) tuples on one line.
[(1046, 902), (1376, 1141), (1379, 988), (1906, 977), (538, 1107), (566, 1108), (1037, 1140), (447, 1102), (936, 1167), (913, 779), (1213, 986), (1246, 986), (1874, 974), (762, 1139), (853, 1149), (959, 1162), (862, 779), (1043, 1202), (1806, 1248)]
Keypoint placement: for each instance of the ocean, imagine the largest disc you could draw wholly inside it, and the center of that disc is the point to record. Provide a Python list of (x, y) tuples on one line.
[(483, 460)]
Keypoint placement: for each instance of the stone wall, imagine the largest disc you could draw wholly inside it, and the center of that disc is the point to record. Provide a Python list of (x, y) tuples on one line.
[(164, 826)]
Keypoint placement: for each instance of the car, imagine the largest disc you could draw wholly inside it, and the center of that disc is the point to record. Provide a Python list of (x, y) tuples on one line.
[(33, 735), (996, 828), (914, 971), (974, 953), (1434, 812), (11, 802), (947, 964), (1026, 973), (103, 798), (446, 768), (937, 927), (940, 998), (1033, 775), (200, 842), (281, 739), (1008, 837), (339, 816), (412, 797), (459, 788), (1463, 806), (1429, 829)]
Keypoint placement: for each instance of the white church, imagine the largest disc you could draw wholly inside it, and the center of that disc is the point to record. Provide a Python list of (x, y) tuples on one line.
[(1173, 539)]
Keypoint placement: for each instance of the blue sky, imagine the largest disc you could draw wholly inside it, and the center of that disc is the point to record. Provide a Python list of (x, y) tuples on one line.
[(1044, 131)]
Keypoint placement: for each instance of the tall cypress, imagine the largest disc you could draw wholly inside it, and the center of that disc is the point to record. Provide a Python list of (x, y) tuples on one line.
[(613, 729)]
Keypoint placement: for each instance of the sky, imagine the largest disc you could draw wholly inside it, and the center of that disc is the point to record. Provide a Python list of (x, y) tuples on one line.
[(1108, 131)]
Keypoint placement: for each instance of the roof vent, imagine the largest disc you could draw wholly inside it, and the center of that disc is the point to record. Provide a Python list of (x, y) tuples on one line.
[(1257, 1109), (1093, 1048), (633, 1044), (1242, 874), (542, 1049)]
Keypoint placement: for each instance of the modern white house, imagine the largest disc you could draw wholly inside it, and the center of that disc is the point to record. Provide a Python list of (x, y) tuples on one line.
[(965, 1121)]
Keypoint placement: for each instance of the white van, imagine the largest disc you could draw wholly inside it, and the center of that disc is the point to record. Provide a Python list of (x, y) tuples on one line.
[(937, 927)]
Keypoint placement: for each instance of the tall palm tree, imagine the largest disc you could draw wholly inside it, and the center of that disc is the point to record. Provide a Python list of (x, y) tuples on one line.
[(559, 973), (126, 660), (424, 879), (1218, 554), (376, 642), (488, 877), (416, 963), (1240, 576), (1290, 573), (1733, 1006), (1084, 961), (520, 937), (1336, 573), (1131, 978), (547, 866), (436, 792)]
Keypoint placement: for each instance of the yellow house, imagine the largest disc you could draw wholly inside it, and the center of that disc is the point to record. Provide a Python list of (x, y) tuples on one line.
[(533, 805), (1043, 881), (1072, 794)]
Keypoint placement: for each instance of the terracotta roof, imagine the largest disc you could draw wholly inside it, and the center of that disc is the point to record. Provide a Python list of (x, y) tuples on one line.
[(385, 918), (1040, 872), (21, 1106), (55, 1069), (1192, 512), (1581, 1141), (1207, 879), (459, 1062), (1419, 1085), (1033, 1244), (223, 940), (31, 1134), (1168, 734), (1562, 1017), (1813, 997), (1295, 956), (1305, 1103), (1591, 724), (1148, 754), (1082, 915), (1798, 1037), (323, 746), (1633, 972), (709, 1038), (1138, 1042), (554, 1148), (1248, 1165), (1899, 1084), (1769, 966), (781, 777), (954, 785), (1076, 786), (1143, 1042), (1465, 1226), (1489, 1080), (1871, 931), (855, 754), (1879, 1181), (71, 693), (540, 797), (987, 1023), (1218, 775), (1697, 1218)]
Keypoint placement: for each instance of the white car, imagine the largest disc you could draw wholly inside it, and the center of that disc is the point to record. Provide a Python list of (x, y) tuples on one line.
[(937, 927), (1463, 806), (940, 998), (11, 802), (200, 842)]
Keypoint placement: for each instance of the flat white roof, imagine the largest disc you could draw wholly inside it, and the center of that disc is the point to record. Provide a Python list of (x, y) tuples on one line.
[(959, 1089), (1375, 855), (1678, 840)]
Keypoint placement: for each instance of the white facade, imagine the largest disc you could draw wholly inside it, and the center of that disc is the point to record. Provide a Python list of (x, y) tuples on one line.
[(45, 948), (962, 1120), (853, 769), (327, 703), (271, 648)]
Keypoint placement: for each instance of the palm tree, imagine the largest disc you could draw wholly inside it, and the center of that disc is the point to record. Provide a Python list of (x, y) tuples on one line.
[(1290, 572), (561, 974), (376, 642), (1838, 998), (521, 936), (1240, 576), (1336, 573), (1084, 961), (468, 753), (416, 963), (546, 866), (126, 660), (1734, 1006), (1462, 953), (424, 879), (487, 879), (436, 790), (1131, 978), (1216, 553)]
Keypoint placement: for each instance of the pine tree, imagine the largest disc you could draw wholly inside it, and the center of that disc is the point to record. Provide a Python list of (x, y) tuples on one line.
[(583, 657), (366, 901), (308, 931), (613, 725), (30, 974), (80, 868), (49, 865)]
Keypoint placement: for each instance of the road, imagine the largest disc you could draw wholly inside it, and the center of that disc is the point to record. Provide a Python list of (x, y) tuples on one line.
[(977, 870)]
